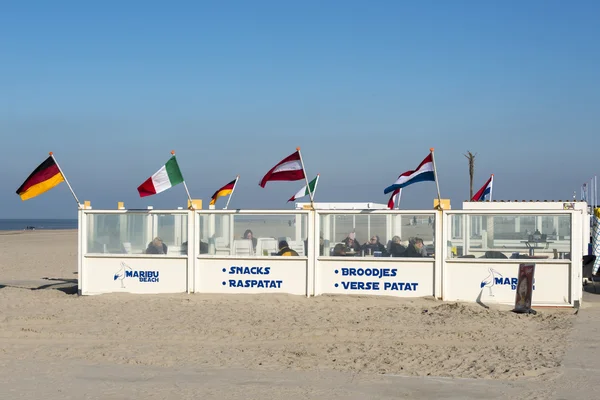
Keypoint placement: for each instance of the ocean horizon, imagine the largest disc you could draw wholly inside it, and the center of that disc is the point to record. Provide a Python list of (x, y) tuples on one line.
[(19, 224)]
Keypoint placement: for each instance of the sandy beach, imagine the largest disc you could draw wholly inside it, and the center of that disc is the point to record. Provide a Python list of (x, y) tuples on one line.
[(273, 334)]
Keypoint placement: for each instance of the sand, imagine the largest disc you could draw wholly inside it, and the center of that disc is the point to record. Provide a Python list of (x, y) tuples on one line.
[(363, 335)]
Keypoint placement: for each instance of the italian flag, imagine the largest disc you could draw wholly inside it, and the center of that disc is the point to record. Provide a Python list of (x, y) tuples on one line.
[(304, 191), (166, 177)]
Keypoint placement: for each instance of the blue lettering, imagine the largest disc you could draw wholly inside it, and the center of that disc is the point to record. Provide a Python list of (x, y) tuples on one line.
[(143, 276), (375, 272), (360, 285), (253, 283), (155, 280), (406, 286), (249, 270)]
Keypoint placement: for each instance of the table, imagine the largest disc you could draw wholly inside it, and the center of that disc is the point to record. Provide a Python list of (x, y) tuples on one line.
[(532, 245)]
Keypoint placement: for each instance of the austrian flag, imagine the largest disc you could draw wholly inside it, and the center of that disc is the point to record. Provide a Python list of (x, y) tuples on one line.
[(288, 169)]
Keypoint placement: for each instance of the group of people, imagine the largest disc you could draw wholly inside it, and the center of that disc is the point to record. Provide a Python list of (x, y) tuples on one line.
[(351, 246)]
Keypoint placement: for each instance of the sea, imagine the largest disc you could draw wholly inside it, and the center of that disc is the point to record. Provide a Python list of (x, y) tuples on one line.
[(22, 224)]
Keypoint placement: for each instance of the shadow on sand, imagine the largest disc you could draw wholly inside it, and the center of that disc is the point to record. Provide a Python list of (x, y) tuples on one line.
[(67, 286)]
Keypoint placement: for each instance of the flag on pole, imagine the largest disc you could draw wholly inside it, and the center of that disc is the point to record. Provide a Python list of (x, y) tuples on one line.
[(485, 190), (393, 203), (305, 189), (224, 191), (46, 176), (288, 169), (424, 172), (165, 178)]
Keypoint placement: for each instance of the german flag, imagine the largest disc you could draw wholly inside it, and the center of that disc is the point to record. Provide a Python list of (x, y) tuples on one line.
[(224, 191), (43, 178)]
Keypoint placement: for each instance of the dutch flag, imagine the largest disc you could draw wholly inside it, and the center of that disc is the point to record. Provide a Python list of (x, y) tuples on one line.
[(484, 191), (424, 172)]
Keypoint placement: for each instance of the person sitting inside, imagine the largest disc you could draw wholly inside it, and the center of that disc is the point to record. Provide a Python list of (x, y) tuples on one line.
[(156, 246), (416, 248), (396, 247), (339, 250), (284, 249), (351, 243), (374, 245), (250, 236)]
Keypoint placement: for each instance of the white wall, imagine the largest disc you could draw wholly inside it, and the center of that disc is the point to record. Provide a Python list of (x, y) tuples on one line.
[(253, 275), (374, 276), (134, 274)]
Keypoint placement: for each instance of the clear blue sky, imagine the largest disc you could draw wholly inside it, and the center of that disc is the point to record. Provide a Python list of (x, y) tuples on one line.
[(365, 88)]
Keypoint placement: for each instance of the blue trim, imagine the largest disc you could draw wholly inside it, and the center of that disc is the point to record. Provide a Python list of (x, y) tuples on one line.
[(425, 176)]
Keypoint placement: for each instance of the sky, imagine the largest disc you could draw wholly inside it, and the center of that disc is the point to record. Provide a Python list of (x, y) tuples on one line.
[(364, 88)]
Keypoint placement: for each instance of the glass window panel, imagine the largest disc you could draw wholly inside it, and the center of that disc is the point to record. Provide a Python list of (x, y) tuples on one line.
[(250, 235), (511, 236), (377, 234), (137, 233)]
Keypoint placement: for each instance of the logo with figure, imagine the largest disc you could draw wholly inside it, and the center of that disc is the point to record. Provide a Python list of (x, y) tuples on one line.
[(122, 273), (493, 278)]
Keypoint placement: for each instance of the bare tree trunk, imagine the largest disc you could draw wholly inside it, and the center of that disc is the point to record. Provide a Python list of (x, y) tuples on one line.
[(471, 157)]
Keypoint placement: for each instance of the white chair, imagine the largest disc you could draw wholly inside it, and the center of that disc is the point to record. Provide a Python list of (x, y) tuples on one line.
[(221, 247), (127, 247), (266, 244), (242, 247), (178, 250), (298, 246)]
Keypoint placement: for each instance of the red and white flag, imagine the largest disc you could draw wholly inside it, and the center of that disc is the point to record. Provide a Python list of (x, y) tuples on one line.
[(395, 199), (288, 169)]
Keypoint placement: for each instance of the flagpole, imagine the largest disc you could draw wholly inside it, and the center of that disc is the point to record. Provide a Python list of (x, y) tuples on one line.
[(316, 183), (306, 178), (66, 181), (437, 184), (398, 199), (491, 188), (232, 190), (185, 186)]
